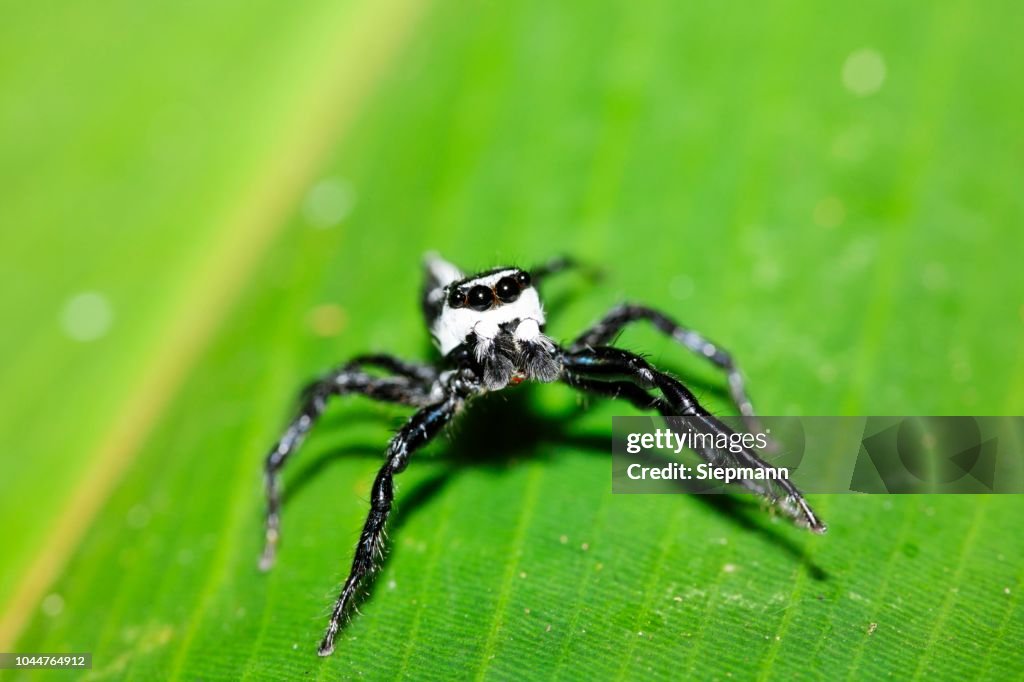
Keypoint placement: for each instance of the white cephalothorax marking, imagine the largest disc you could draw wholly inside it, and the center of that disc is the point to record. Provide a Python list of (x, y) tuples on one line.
[(443, 273), (454, 325)]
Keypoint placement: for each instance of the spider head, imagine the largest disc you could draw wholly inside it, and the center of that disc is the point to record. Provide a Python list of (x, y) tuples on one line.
[(494, 317)]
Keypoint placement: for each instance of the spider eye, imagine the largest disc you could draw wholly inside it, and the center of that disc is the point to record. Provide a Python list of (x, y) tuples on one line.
[(507, 289), (456, 298), (523, 278), (480, 298)]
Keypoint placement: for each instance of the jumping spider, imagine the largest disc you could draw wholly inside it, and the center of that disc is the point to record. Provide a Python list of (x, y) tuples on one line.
[(489, 329)]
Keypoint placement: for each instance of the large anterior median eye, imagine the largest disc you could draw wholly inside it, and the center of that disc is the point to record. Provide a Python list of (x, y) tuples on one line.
[(507, 289), (480, 298)]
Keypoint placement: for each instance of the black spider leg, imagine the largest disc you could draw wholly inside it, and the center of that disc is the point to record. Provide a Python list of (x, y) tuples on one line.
[(614, 365), (561, 264), (640, 398), (410, 387), (412, 370), (416, 432), (611, 324), (551, 267)]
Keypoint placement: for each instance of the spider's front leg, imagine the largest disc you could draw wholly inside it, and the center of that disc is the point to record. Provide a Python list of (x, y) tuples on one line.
[(605, 331), (416, 432), (627, 375), (410, 385)]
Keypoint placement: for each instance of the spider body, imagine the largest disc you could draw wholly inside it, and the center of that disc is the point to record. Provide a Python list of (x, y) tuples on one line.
[(489, 329)]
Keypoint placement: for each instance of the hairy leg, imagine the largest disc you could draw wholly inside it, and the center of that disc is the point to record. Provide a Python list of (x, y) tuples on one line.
[(618, 318), (614, 366), (419, 430), (411, 370), (407, 389)]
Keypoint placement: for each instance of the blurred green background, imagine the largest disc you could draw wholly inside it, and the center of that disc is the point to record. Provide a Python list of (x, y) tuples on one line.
[(205, 204)]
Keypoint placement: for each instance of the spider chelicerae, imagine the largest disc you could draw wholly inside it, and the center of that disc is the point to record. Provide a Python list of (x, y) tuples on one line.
[(489, 329)]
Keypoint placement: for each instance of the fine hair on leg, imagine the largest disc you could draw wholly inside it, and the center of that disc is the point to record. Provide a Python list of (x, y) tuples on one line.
[(605, 331), (348, 380), (614, 365), (416, 432)]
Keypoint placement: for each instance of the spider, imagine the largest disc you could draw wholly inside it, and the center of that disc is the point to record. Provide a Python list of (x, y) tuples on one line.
[(489, 328)]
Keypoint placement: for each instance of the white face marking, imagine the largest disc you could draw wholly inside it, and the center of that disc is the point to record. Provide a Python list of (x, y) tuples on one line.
[(455, 324), (492, 279)]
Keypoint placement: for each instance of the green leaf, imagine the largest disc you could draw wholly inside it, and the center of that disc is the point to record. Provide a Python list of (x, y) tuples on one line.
[(831, 192)]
